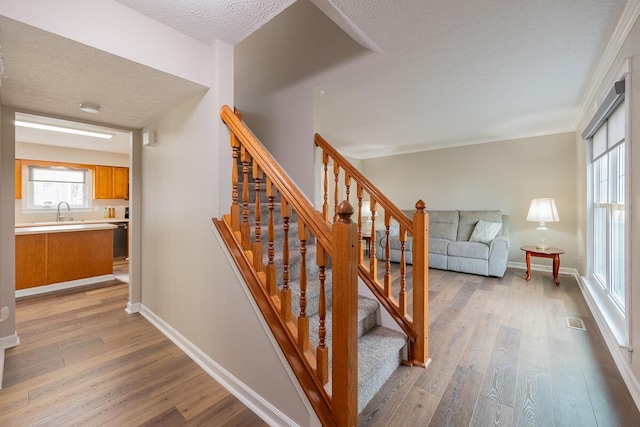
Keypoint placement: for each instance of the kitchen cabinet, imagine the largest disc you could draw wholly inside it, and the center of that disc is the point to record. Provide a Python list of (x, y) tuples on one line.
[(56, 254), (120, 183), (111, 182), (18, 179)]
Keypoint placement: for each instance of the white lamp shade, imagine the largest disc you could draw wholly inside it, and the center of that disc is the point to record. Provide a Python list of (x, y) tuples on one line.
[(543, 210), (366, 209)]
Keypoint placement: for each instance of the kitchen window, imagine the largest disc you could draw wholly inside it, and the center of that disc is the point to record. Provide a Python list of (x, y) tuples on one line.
[(48, 186)]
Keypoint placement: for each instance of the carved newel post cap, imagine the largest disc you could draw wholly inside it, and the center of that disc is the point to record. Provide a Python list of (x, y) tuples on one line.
[(420, 205), (345, 210)]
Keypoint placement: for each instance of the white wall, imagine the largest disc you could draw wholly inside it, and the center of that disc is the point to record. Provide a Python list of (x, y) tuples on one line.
[(277, 68), (630, 366), (70, 155), (186, 278), (503, 175)]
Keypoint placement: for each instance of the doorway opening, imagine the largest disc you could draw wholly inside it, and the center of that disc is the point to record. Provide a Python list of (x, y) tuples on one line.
[(77, 175)]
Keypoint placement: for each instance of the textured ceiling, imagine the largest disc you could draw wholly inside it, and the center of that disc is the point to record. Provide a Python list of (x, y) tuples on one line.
[(461, 72), (47, 73), (452, 73), (210, 20)]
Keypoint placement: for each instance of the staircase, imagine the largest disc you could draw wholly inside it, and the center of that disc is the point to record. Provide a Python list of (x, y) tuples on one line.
[(302, 269), (379, 348)]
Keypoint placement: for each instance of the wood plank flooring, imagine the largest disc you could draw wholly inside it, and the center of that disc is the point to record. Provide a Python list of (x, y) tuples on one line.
[(502, 355), (83, 361)]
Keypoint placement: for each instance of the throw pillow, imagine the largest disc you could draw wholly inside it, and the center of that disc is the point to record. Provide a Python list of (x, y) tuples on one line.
[(485, 231), (394, 228)]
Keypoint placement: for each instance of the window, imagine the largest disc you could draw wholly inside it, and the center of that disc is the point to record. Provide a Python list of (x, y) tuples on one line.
[(48, 186), (609, 207)]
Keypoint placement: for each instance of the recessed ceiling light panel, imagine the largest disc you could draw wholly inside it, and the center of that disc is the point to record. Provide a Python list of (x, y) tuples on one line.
[(90, 108), (63, 129)]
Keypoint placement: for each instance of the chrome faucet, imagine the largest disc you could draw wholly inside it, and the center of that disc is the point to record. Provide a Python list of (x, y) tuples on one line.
[(59, 216)]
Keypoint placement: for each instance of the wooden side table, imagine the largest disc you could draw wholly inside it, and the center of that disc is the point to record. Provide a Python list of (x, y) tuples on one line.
[(543, 253), (367, 244)]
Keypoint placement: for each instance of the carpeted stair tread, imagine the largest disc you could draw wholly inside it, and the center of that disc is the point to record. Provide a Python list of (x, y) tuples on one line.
[(379, 355), (367, 319), (379, 348)]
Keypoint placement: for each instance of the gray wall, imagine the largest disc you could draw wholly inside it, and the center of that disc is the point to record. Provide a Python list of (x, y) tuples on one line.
[(502, 175), (276, 69), (187, 280), (7, 244)]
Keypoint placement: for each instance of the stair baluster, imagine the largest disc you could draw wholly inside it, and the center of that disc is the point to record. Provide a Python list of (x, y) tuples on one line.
[(272, 285), (303, 320), (257, 244), (322, 352)]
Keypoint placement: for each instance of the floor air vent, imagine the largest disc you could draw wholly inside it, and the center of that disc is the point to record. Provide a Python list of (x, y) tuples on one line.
[(575, 323)]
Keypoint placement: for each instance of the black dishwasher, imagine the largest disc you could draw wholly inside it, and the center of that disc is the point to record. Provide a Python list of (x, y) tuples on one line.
[(120, 240)]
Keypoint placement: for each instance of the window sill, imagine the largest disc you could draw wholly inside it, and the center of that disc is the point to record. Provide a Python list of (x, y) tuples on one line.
[(607, 310)]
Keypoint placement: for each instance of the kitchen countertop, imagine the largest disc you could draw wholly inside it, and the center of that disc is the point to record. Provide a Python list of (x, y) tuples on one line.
[(42, 229), (74, 222)]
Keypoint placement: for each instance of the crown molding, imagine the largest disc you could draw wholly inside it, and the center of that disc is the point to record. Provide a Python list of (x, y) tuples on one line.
[(625, 24)]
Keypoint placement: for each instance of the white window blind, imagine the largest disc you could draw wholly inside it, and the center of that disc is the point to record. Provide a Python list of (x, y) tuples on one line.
[(39, 174)]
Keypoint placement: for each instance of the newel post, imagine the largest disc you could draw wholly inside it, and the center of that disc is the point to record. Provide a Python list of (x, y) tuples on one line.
[(345, 318), (420, 257)]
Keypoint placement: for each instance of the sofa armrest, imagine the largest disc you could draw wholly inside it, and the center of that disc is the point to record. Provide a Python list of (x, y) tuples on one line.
[(499, 255), (499, 244)]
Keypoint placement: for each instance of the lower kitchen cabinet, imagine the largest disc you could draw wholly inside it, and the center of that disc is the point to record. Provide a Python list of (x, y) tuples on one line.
[(44, 258)]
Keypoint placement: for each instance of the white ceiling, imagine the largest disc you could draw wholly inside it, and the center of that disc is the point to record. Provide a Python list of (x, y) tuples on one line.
[(453, 72)]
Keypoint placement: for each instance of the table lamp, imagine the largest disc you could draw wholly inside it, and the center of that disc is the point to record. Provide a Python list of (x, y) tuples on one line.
[(543, 210)]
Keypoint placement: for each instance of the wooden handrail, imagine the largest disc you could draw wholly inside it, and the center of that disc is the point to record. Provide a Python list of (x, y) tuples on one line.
[(338, 242), (366, 185), (279, 178), (415, 328)]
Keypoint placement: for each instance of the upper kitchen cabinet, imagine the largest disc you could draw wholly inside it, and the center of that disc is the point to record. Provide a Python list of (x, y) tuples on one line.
[(111, 182), (120, 183), (18, 179)]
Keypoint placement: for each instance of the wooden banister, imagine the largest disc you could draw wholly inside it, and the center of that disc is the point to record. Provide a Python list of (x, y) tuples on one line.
[(339, 247), (345, 314), (336, 248), (279, 178), (416, 325), (362, 180)]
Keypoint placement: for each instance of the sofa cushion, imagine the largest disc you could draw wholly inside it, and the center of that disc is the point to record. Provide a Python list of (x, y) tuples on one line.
[(469, 219), (443, 224), (438, 246), (468, 250), (485, 231), (394, 242)]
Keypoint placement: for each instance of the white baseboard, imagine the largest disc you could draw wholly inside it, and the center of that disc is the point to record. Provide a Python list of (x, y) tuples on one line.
[(269, 413), (1, 366), (132, 308), (541, 267), (63, 285), (5, 343), (629, 378)]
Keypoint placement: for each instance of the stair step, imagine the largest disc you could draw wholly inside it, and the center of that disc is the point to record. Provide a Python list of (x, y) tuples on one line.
[(379, 355), (379, 348), (367, 319)]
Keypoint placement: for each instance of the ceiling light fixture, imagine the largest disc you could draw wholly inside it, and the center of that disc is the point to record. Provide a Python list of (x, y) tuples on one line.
[(63, 129), (90, 108)]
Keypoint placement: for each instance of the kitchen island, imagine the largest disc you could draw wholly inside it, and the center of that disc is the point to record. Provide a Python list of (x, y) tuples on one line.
[(61, 256)]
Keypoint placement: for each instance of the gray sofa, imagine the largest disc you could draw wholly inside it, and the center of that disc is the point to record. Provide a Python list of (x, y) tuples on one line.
[(450, 247)]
